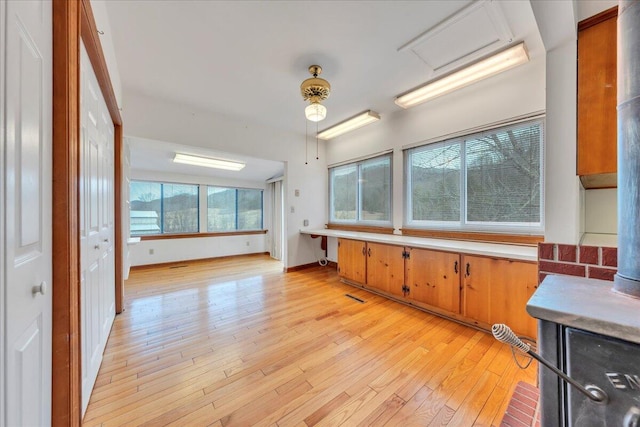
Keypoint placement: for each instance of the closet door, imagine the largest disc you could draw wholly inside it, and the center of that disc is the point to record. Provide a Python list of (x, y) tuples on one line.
[(96, 225), (25, 221)]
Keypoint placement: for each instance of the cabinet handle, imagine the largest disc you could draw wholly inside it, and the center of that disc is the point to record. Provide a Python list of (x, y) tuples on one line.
[(364, 251), (369, 252), (468, 270), (455, 267)]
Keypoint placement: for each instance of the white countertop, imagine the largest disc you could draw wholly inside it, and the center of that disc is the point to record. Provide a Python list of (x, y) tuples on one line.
[(519, 252)]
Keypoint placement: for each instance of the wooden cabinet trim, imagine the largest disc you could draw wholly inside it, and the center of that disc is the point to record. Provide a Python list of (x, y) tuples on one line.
[(598, 18), (196, 235), (361, 228)]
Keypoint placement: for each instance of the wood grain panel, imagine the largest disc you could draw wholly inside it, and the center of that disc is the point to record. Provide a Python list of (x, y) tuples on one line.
[(361, 228), (516, 239), (236, 341), (434, 278), (597, 90), (385, 267), (352, 261), (66, 240)]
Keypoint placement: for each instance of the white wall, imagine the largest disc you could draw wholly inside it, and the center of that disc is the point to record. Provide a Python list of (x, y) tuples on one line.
[(601, 207), (170, 250), (147, 117)]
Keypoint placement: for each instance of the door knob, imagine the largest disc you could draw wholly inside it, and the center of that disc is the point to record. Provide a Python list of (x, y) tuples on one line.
[(96, 247), (106, 240), (40, 289)]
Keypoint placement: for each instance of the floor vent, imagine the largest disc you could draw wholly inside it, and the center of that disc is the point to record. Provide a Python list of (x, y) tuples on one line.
[(179, 266), (361, 301)]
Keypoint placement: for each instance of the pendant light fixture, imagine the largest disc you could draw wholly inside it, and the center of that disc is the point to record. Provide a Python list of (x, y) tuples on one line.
[(315, 89)]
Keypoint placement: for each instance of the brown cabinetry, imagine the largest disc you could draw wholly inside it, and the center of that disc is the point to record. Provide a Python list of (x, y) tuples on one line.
[(352, 261), (433, 278), (597, 88), (474, 289), (497, 291), (385, 267)]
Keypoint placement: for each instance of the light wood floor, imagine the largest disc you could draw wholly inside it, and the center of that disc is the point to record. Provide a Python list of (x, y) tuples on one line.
[(237, 342)]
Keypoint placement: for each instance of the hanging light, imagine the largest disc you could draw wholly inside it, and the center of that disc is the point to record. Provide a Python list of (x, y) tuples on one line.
[(315, 112), (315, 89)]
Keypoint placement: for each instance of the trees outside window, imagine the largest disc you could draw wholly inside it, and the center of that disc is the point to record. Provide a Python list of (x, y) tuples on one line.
[(361, 192), (490, 180)]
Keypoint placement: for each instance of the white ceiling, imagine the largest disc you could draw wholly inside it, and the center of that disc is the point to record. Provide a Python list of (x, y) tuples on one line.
[(247, 58)]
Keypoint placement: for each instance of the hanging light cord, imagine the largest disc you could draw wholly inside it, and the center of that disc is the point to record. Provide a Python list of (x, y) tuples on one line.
[(317, 157), (306, 143)]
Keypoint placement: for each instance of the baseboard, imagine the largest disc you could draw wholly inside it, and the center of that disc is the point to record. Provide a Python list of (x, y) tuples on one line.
[(330, 264)]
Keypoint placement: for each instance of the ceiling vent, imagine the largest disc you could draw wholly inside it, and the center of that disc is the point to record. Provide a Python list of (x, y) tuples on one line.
[(472, 32)]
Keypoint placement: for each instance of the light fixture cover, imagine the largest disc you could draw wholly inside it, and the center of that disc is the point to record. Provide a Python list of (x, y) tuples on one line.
[(350, 124), (315, 112), (501, 61), (209, 162)]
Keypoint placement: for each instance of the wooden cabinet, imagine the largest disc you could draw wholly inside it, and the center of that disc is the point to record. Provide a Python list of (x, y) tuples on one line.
[(352, 261), (497, 291), (385, 267), (597, 88), (434, 278), (473, 289)]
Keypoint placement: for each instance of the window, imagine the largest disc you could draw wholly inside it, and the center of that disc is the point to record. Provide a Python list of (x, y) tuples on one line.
[(361, 192), (230, 209), (158, 208), (486, 181)]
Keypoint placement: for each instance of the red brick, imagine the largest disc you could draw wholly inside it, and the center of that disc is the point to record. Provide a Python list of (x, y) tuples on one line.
[(526, 419), (541, 277), (528, 390), (515, 403), (610, 257), (567, 253), (589, 255), (560, 268), (601, 273), (545, 251), (531, 403), (509, 421)]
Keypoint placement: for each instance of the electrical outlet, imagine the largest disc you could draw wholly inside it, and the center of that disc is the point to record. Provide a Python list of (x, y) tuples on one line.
[(293, 209), (296, 193), (247, 243), (305, 222), (151, 251)]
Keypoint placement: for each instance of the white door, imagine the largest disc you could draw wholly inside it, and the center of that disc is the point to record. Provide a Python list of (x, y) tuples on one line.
[(26, 180), (97, 276)]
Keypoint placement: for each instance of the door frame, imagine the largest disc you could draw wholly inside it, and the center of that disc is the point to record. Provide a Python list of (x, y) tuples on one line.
[(73, 22)]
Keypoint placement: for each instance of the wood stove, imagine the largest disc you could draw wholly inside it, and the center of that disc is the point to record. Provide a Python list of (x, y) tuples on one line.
[(587, 329), (593, 335)]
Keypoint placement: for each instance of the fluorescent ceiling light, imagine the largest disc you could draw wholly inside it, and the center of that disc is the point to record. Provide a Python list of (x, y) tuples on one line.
[(348, 125), (208, 162), (487, 67)]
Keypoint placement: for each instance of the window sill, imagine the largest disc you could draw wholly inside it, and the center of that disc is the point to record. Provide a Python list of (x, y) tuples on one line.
[(362, 228), (197, 235), (518, 239)]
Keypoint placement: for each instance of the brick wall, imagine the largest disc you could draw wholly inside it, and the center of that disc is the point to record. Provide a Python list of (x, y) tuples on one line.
[(594, 262)]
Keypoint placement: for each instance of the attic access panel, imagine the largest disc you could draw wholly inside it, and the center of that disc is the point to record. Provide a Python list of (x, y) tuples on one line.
[(471, 33)]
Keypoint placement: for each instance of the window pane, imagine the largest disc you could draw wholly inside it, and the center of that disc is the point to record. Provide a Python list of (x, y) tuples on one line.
[(249, 209), (503, 176), (376, 189), (180, 208), (435, 183), (344, 193), (221, 209), (145, 207)]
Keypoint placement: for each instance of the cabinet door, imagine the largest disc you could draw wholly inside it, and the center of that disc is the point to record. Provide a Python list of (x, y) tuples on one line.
[(497, 291), (434, 279), (385, 267), (352, 260), (597, 87)]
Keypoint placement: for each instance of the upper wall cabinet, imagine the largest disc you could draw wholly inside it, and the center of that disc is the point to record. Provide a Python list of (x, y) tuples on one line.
[(597, 136)]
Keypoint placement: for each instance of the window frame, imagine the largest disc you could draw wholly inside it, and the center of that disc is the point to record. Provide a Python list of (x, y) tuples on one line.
[(463, 224), (359, 221), (236, 229), (162, 210)]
